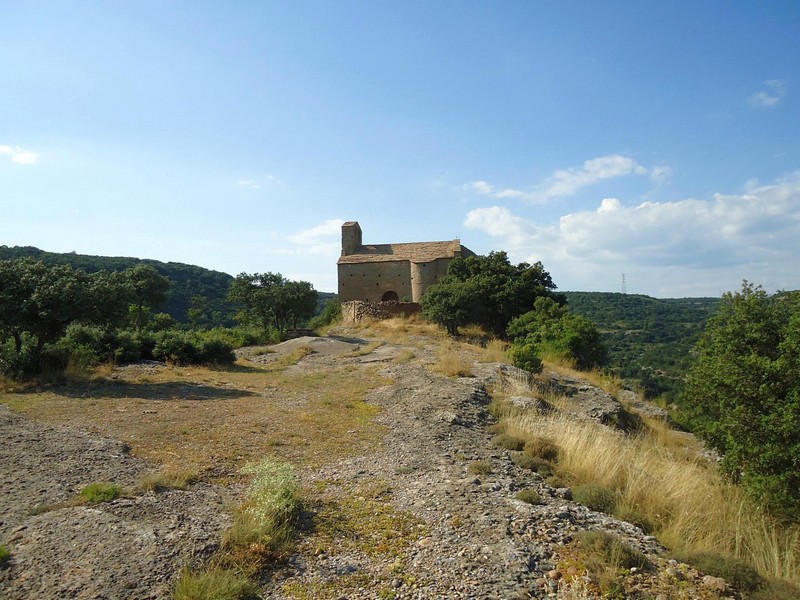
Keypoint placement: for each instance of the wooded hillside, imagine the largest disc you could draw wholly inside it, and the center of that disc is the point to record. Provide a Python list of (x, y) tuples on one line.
[(649, 339), (192, 286)]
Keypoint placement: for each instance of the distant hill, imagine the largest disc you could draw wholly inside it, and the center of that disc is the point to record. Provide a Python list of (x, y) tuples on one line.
[(649, 339), (188, 281)]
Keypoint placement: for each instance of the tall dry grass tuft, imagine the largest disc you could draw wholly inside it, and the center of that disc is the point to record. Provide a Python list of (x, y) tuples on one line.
[(689, 506), (451, 362), (494, 351)]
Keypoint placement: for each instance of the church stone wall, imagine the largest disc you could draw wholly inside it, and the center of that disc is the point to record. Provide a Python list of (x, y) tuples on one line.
[(369, 282), (425, 274)]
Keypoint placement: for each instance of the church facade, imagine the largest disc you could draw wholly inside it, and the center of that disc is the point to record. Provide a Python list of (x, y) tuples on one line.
[(391, 272)]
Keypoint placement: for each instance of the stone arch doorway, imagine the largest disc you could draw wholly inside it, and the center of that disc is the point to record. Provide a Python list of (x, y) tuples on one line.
[(390, 296)]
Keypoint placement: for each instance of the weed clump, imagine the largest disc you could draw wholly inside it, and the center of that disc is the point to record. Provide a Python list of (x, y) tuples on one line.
[(267, 519), (635, 516), (509, 442), (480, 467), (735, 571), (5, 556), (530, 496), (95, 493), (596, 496), (543, 448), (533, 463), (177, 479), (606, 558), (610, 549), (449, 362), (214, 584)]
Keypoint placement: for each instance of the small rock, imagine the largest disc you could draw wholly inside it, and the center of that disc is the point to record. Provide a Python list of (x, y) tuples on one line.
[(555, 574), (565, 493), (715, 583)]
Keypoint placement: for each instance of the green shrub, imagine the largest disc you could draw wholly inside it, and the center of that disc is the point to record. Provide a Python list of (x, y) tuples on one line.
[(480, 467), (534, 463), (509, 442), (595, 496), (95, 493), (176, 347), (742, 394), (127, 347), (5, 555), (525, 355), (214, 584), (542, 448), (216, 352), (332, 313), (530, 496)]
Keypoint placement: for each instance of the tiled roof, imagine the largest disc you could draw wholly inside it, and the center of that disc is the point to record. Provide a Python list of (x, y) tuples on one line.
[(415, 252)]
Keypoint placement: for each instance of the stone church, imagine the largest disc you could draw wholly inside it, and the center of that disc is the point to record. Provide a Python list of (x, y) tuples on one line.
[(391, 272)]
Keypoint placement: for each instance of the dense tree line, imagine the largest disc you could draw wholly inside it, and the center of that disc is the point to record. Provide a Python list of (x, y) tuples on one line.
[(52, 315), (191, 287)]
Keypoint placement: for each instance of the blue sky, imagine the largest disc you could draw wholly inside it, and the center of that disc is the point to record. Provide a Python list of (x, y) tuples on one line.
[(656, 139)]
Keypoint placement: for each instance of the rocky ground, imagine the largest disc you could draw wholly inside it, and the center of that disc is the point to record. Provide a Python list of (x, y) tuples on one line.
[(438, 530)]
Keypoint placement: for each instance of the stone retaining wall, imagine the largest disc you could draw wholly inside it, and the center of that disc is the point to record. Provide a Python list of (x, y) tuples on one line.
[(356, 310)]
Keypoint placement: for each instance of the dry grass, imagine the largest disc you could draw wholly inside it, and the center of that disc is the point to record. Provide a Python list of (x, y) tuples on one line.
[(214, 584), (202, 419), (167, 479), (404, 356), (450, 361), (292, 358), (689, 505), (494, 351), (609, 383), (401, 329), (366, 349)]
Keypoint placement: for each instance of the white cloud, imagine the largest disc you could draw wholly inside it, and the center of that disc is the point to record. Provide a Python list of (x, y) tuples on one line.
[(767, 98), (660, 174), (566, 182), (258, 183), (249, 184), (323, 239), (19, 156), (726, 238)]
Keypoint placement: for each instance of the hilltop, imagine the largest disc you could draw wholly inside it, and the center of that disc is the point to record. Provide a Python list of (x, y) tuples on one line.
[(413, 486)]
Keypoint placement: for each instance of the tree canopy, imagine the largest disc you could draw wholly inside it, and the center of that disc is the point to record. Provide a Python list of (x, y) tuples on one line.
[(40, 301), (552, 330), (743, 393), (487, 291), (271, 300)]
